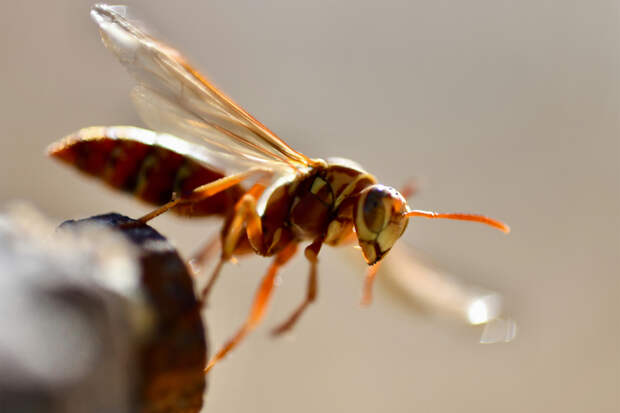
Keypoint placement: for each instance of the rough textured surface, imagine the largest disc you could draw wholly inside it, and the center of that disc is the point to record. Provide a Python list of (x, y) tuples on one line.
[(173, 357), (96, 320)]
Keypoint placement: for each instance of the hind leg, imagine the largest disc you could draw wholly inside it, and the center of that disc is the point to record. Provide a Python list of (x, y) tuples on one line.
[(204, 191)]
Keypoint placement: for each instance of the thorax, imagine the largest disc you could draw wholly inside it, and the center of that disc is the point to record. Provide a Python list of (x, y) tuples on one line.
[(308, 203)]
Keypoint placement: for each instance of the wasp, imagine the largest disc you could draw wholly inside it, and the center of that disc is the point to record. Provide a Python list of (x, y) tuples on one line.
[(207, 156)]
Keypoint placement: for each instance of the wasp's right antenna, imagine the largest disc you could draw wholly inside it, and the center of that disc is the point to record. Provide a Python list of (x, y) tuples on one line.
[(461, 217)]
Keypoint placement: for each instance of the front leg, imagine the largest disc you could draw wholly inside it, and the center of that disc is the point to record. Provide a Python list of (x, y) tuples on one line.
[(311, 252), (371, 273), (245, 217), (259, 306)]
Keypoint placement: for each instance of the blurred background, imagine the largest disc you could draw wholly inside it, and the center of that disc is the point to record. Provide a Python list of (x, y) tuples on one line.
[(505, 108)]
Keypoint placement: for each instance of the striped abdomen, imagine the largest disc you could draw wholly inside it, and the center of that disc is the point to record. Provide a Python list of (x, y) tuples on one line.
[(138, 161)]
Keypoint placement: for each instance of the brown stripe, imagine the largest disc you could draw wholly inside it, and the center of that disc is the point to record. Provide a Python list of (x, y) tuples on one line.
[(151, 173)]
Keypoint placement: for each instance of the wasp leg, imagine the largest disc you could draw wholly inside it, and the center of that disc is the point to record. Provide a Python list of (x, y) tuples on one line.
[(311, 252), (368, 283), (205, 253), (261, 301), (411, 187), (245, 213), (371, 273), (207, 288), (203, 191)]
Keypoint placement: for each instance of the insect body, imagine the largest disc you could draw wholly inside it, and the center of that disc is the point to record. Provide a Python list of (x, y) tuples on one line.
[(210, 157)]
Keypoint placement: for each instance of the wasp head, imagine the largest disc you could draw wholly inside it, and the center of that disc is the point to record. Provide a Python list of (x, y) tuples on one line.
[(379, 219)]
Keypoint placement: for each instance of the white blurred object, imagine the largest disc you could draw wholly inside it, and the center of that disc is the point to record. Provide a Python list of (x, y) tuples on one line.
[(482, 309), (499, 330), (445, 295)]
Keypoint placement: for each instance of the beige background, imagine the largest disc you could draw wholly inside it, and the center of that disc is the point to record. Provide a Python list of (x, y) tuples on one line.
[(507, 108)]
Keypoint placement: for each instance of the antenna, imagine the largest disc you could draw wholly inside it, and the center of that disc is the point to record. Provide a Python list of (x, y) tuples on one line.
[(461, 217)]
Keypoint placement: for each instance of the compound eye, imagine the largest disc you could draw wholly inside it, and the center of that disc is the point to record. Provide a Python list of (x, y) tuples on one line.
[(374, 210)]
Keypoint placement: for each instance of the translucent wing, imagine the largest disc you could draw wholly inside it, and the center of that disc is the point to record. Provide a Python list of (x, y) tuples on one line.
[(438, 292), (173, 97)]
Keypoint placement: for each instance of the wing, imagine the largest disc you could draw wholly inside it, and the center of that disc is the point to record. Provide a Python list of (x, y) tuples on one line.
[(438, 292), (171, 96)]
